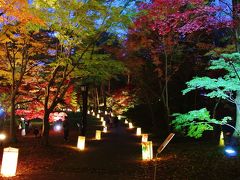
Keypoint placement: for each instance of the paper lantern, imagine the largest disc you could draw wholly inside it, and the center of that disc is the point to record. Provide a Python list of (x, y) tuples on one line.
[(9, 162), (130, 125), (138, 132), (221, 140), (104, 123), (144, 137), (88, 112), (105, 112), (98, 135), (147, 151), (93, 113), (126, 121), (98, 115), (105, 129), (102, 119), (81, 142), (99, 111), (23, 132)]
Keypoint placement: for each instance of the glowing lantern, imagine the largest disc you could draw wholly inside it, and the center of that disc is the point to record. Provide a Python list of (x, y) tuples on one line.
[(102, 119), (139, 132), (104, 123), (99, 111), (93, 113), (147, 151), (144, 137), (126, 121), (221, 140), (119, 117), (23, 132), (98, 116), (88, 112), (105, 112), (81, 142), (98, 135), (9, 162), (2, 137), (105, 129), (130, 125), (111, 114)]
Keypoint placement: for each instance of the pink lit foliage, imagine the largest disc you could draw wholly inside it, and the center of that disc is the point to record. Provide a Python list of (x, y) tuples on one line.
[(180, 16)]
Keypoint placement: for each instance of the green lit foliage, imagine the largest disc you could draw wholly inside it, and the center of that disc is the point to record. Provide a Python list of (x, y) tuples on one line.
[(225, 87), (196, 121)]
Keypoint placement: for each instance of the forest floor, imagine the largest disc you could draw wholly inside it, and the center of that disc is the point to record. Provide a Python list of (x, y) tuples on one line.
[(117, 156)]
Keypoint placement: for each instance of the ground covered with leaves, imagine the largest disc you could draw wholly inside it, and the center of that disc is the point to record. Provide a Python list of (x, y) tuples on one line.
[(118, 156)]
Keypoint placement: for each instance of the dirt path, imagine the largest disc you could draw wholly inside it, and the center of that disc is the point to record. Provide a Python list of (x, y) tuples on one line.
[(116, 156)]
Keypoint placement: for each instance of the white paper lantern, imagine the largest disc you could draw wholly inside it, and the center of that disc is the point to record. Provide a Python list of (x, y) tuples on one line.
[(98, 115), (102, 119), (105, 112), (81, 142), (126, 121), (130, 125), (88, 112), (138, 132), (9, 162), (93, 113), (105, 129), (98, 135), (144, 137), (104, 123), (147, 151)]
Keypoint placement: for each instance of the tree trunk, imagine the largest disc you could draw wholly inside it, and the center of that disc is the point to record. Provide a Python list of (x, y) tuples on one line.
[(237, 126), (83, 124), (97, 98), (13, 136), (46, 128)]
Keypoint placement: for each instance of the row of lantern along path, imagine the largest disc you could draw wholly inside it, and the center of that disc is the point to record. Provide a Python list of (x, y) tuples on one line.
[(147, 146), (10, 155)]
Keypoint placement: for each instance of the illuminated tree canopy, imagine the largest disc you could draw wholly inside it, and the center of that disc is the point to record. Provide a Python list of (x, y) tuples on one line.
[(226, 87)]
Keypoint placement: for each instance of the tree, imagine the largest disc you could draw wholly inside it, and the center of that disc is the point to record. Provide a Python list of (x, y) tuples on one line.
[(77, 27), (226, 87), (18, 49), (168, 35)]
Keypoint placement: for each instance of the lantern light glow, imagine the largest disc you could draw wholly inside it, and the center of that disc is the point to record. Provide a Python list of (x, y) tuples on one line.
[(9, 162), (147, 151), (81, 142), (144, 137), (105, 129), (2, 137), (104, 123), (130, 125), (139, 132), (98, 135)]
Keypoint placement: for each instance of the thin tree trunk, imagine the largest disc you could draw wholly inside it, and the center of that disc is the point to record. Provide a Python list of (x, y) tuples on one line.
[(237, 126), (84, 112), (97, 98), (45, 128), (13, 137)]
